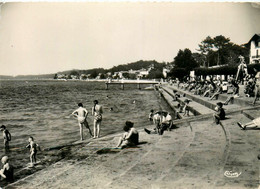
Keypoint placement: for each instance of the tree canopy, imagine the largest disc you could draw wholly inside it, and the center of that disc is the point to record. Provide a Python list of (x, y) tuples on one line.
[(220, 50)]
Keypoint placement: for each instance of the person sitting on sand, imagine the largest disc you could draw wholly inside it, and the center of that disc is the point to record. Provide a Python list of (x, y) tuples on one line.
[(186, 107), (33, 149), (218, 92), (235, 92), (97, 112), (151, 115), (165, 123), (168, 119), (157, 119), (81, 114), (220, 113), (7, 172), (130, 137), (254, 124), (6, 135)]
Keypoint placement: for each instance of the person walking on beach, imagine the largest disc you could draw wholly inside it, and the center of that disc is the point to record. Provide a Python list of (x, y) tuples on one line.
[(81, 114), (34, 147), (97, 112), (6, 135)]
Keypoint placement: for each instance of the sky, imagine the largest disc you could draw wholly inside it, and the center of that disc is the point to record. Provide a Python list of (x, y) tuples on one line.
[(48, 37)]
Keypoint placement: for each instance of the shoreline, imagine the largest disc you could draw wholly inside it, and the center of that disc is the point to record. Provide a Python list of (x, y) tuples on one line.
[(159, 161)]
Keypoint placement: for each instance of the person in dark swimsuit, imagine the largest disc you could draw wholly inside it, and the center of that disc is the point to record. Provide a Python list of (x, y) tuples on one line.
[(7, 172), (130, 137), (6, 135), (220, 113)]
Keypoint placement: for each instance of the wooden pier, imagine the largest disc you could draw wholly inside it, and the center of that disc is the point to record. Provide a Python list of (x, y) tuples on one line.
[(122, 84)]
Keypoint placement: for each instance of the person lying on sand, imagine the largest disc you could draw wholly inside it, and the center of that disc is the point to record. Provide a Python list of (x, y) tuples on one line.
[(130, 137), (254, 124)]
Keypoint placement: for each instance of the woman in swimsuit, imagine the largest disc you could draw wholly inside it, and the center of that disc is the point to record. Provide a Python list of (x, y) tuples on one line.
[(97, 112), (130, 137)]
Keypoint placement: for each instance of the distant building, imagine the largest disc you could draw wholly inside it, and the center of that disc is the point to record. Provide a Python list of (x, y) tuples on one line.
[(83, 77), (143, 73), (254, 44)]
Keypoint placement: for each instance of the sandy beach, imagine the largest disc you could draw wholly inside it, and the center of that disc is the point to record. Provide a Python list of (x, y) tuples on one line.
[(196, 154)]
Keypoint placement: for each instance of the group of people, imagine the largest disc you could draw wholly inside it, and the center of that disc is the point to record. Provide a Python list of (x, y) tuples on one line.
[(82, 113), (162, 121), (7, 171), (214, 86)]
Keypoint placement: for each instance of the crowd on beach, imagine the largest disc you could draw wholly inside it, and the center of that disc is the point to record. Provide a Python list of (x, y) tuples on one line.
[(212, 87), (161, 120)]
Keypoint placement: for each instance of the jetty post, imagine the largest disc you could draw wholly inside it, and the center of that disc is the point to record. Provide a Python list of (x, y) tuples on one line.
[(138, 86)]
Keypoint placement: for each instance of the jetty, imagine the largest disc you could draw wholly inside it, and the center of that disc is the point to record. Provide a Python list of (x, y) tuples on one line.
[(123, 83), (196, 153)]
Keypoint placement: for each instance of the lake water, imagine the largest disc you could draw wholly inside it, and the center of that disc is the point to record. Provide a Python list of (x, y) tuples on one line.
[(41, 108)]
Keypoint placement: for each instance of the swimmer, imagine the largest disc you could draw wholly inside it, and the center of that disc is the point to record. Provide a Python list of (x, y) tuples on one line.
[(81, 113)]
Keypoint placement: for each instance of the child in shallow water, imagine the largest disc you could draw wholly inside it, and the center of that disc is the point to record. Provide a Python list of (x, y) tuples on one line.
[(33, 149)]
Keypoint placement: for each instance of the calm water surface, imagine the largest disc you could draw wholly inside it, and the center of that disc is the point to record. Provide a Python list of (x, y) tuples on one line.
[(41, 108)]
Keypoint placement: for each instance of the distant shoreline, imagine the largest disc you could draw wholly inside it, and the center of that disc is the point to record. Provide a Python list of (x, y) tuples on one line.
[(88, 80)]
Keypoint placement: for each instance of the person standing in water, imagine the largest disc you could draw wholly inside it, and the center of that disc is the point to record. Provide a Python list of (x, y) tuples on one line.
[(81, 114), (34, 147), (6, 135), (97, 112)]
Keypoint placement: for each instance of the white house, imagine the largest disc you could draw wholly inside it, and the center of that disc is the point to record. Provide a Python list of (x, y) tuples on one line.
[(254, 44)]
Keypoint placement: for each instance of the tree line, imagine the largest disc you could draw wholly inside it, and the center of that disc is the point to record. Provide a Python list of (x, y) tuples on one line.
[(212, 51)]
